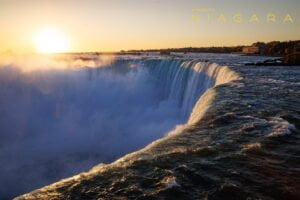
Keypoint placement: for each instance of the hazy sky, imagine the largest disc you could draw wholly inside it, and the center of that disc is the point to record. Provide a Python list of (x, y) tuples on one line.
[(109, 25)]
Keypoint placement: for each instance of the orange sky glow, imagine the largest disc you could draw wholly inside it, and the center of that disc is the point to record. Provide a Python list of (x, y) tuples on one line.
[(98, 25)]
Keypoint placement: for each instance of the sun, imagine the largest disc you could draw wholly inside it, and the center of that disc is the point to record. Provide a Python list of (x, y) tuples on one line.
[(50, 40)]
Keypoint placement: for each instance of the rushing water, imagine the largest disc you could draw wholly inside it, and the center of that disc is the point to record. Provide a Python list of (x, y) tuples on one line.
[(240, 142), (59, 122)]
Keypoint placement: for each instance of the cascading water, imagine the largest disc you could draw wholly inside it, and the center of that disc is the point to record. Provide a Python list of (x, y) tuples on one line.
[(56, 123), (183, 81)]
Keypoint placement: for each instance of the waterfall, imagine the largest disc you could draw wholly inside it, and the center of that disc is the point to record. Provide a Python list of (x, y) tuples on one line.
[(69, 119), (181, 82), (184, 82)]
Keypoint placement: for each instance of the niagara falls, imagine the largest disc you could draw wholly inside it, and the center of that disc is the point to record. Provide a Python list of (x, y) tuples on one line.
[(149, 100), (88, 115), (84, 109)]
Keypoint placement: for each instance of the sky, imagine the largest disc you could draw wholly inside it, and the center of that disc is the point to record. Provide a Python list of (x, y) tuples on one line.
[(113, 25)]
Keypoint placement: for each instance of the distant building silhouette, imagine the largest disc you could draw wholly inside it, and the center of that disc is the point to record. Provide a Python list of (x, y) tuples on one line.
[(256, 48)]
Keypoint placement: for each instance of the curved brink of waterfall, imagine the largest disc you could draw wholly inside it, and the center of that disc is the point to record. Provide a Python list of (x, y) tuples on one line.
[(186, 83), (190, 83)]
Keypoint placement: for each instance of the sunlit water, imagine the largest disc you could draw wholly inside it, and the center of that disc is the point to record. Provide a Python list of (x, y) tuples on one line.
[(58, 121)]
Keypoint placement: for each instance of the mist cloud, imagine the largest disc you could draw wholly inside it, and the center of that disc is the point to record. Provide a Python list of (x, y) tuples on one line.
[(57, 121)]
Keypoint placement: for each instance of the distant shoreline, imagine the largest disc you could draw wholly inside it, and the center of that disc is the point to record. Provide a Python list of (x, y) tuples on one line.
[(270, 49)]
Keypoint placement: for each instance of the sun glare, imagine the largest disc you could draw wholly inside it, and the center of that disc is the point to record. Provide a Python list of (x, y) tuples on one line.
[(51, 41)]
